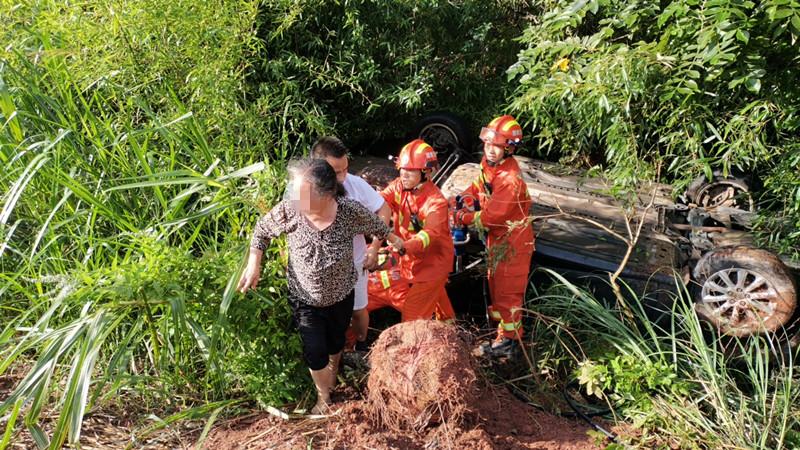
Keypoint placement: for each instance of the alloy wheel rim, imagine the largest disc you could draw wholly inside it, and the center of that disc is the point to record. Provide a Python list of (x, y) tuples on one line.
[(740, 297)]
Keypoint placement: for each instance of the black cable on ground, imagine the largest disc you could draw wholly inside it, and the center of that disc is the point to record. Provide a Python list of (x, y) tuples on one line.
[(586, 416)]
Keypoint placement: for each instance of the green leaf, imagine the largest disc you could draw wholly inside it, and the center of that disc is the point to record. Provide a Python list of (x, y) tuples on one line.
[(708, 172), (796, 22), (736, 81), (753, 84), (743, 35), (167, 182), (13, 195), (39, 436), (9, 111), (603, 103), (209, 423)]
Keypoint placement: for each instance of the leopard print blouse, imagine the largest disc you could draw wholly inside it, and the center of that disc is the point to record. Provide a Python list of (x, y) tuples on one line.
[(321, 270)]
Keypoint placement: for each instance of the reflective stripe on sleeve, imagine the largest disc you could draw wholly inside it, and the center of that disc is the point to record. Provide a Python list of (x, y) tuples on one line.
[(424, 237), (513, 326), (476, 221), (385, 279)]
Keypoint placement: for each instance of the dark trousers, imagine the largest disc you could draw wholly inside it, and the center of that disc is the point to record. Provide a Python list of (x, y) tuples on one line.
[(322, 329)]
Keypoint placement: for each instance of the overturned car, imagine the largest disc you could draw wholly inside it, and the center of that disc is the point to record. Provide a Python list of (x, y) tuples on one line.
[(702, 237)]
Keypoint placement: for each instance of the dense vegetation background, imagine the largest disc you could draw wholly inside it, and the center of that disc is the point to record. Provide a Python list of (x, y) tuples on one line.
[(671, 90), (140, 140)]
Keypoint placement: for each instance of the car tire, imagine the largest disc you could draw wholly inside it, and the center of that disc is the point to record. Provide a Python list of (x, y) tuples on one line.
[(442, 131), (732, 192), (744, 291)]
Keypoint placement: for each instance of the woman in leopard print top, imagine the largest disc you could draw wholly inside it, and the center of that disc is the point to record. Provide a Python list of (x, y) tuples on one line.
[(320, 224), (318, 273)]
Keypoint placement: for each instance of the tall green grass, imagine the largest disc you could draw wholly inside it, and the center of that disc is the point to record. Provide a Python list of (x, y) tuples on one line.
[(116, 266), (120, 227), (676, 379)]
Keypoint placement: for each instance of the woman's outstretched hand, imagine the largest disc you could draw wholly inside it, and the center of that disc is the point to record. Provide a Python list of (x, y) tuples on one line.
[(252, 273)]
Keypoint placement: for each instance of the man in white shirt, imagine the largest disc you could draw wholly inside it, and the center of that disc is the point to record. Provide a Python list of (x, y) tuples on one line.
[(335, 153)]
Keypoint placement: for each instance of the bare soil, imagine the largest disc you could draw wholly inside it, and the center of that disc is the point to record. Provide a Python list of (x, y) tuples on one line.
[(423, 393), (502, 422)]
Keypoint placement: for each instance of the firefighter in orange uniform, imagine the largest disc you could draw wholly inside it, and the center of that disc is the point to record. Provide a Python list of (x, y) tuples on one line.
[(503, 217), (420, 216)]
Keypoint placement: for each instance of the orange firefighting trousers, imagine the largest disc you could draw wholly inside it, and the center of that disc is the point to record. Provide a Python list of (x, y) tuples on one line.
[(428, 299), (509, 266)]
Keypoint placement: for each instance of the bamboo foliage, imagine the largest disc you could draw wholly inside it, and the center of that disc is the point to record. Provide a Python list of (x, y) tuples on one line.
[(650, 90)]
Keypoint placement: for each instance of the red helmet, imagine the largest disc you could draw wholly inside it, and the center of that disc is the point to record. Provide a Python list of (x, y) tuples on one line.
[(417, 155), (503, 130)]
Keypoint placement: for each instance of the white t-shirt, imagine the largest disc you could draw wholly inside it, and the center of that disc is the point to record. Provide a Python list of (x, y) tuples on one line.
[(360, 191)]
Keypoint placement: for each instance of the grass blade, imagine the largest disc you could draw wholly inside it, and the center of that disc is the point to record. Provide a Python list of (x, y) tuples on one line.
[(18, 187), (9, 111), (10, 424)]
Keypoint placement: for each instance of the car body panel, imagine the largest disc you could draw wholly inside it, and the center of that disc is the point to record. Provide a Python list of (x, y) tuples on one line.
[(570, 213)]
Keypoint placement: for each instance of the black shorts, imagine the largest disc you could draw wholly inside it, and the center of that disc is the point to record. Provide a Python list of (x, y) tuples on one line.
[(322, 329)]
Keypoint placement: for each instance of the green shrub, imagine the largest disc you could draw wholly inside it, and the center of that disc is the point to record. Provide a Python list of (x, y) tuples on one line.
[(157, 316), (372, 67), (266, 360), (156, 51), (675, 90), (631, 384)]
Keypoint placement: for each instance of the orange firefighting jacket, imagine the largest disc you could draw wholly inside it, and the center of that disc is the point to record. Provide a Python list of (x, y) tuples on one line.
[(389, 276), (420, 218), (504, 202)]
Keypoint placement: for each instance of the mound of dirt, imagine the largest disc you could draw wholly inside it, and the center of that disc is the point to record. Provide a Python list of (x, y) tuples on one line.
[(423, 394), (421, 374), (501, 422)]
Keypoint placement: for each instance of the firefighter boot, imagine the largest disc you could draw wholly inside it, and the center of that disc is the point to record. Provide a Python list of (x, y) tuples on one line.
[(502, 347)]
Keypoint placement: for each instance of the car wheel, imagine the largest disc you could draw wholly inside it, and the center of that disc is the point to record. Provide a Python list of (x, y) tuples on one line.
[(721, 191), (445, 132), (744, 290)]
